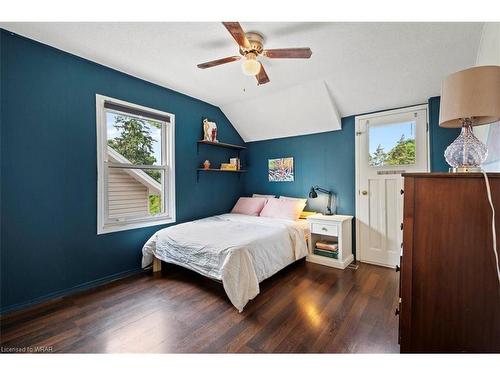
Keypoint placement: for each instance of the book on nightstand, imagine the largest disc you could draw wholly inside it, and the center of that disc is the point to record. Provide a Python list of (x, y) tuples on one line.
[(327, 245), (328, 249), (326, 253)]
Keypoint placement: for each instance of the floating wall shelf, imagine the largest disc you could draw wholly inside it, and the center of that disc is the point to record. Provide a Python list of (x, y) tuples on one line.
[(230, 146), (216, 170), (220, 144)]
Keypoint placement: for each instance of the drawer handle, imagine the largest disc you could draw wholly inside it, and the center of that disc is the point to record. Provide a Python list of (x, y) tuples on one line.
[(325, 229)]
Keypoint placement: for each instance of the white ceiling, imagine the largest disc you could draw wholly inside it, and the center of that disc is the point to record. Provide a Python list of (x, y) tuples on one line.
[(355, 67)]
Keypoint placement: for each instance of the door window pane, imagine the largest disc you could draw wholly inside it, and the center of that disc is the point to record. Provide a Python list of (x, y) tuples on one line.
[(392, 144)]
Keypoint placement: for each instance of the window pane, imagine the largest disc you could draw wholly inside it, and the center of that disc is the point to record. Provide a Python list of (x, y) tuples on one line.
[(134, 193), (133, 140), (392, 144)]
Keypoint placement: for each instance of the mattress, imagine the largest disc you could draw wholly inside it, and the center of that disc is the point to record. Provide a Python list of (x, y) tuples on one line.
[(238, 250)]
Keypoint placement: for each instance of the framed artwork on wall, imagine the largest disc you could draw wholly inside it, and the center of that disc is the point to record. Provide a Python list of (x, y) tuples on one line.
[(280, 170)]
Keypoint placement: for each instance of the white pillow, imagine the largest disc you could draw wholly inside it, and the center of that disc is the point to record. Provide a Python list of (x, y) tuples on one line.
[(302, 200), (262, 196)]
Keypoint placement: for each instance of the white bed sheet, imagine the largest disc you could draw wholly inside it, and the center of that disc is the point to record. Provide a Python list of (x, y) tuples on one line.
[(238, 250)]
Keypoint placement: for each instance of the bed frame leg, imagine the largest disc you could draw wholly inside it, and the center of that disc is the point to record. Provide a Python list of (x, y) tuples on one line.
[(156, 264)]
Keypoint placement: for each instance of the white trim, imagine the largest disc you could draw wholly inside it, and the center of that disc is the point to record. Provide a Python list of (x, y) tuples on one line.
[(324, 261), (357, 121), (167, 165), (390, 112), (118, 227), (375, 263)]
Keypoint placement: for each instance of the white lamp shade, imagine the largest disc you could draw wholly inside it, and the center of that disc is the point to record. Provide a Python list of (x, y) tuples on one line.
[(471, 93)]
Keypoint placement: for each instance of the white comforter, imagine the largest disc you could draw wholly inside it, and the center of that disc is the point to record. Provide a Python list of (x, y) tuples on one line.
[(239, 250)]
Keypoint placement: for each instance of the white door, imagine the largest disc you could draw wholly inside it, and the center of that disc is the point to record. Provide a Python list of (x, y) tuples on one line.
[(387, 144)]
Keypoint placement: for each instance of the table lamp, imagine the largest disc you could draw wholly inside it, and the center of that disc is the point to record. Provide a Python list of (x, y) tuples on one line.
[(313, 194), (469, 98)]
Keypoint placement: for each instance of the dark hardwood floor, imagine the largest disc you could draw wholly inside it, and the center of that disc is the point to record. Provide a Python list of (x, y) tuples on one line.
[(306, 308)]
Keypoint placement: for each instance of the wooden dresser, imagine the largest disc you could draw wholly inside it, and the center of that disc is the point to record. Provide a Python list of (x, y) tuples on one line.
[(450, 295)]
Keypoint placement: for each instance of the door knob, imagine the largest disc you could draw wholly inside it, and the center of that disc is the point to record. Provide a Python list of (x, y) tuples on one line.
[(364, 192)]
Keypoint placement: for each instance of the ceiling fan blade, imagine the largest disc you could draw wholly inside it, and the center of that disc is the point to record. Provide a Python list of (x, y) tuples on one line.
[(225, 60), (238, 34), (262, 76), (288, 53)]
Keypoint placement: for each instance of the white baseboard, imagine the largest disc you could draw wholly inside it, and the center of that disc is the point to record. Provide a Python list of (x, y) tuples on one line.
[(330, 262), (377, 264)]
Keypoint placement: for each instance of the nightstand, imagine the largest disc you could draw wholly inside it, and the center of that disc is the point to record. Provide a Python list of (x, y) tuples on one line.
[(336, 228)]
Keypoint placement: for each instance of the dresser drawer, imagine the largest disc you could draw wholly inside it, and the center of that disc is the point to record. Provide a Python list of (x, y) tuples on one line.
[(328, 229)]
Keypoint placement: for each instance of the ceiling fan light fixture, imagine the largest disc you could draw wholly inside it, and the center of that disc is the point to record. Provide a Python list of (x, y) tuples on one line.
[(251, 45), (251, 66)]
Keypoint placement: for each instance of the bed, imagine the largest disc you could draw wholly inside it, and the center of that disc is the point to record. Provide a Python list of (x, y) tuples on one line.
[(238, 250)]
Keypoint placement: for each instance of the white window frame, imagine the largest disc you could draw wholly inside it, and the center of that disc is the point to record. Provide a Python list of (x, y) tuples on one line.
[(167, 165)]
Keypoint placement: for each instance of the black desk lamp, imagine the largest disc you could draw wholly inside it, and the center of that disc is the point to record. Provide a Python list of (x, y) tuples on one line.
[(313, 194)]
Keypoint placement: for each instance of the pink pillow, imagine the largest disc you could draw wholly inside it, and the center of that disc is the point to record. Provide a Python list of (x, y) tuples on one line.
[(283, 208), (304, 200), (249, 206)]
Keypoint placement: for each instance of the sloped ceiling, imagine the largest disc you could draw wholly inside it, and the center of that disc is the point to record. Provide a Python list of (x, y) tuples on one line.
[(301, 109), (355, 67)]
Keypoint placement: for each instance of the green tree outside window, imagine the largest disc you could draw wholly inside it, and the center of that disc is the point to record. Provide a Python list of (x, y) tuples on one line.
[(403, 153)]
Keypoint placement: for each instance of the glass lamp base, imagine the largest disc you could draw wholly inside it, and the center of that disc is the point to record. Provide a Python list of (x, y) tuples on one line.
[(466, 153)]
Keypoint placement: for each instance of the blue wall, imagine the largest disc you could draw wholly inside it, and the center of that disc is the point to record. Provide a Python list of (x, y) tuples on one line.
[(49, 244), (324, 159), (439, 138)]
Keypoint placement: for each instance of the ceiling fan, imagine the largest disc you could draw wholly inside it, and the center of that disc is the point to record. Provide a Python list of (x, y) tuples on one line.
[(251, 46)]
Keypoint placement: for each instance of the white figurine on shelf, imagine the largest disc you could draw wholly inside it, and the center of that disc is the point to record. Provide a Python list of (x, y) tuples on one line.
[(209, 131)]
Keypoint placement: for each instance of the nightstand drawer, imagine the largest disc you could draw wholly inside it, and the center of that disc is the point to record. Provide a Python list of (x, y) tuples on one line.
[(328, 229)]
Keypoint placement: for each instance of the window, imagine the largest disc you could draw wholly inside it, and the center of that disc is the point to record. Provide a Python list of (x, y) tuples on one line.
[(392, 144), (135, 157)]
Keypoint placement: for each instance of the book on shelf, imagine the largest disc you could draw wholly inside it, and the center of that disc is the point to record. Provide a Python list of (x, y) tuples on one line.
[(235, 161), (326, 253), (327, 245), (228, 167)]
